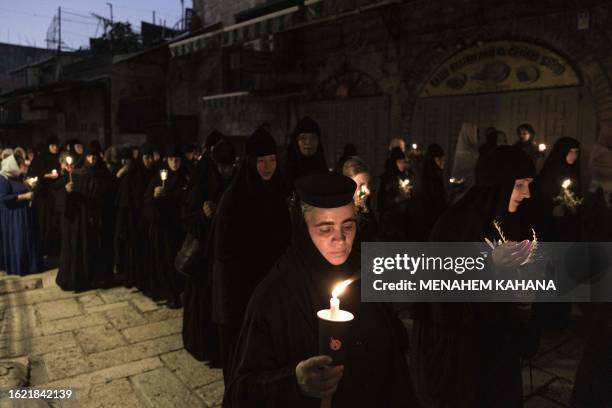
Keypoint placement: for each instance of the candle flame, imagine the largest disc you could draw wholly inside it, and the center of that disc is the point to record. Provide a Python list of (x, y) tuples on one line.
[(339, 288), (415, 146), (69, 160), (452, 180), (566, 183), (163, 174), (364, 191), (542, 147)]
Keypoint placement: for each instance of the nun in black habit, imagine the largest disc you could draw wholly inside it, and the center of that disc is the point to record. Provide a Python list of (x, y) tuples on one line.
[(526, 142), (134, 178), (43, 167), (252, 230), (162, 208), (276, 362), (396, 200), (206, 188), (555, 220), (432, 191), (86, 258), (305, 153), (468, 355)]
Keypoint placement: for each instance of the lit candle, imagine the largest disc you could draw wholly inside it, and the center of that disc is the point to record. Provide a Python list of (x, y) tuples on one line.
[(163, 174), (69, 169), (566, 183), (54, 173), (334, 302), (364, 191), (541, 147), (451, 180), (415, 146)]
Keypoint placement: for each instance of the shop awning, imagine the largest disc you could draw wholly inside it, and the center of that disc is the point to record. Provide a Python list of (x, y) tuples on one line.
[(259, 27)]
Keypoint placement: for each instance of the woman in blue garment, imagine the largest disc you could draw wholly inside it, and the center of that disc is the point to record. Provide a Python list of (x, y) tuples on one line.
[(19, 239)]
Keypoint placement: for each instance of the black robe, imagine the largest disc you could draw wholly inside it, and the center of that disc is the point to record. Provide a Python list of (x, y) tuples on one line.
[(166, 235), (252, 230), (432, 194), (44, 201), (199, 333), (86, 257), (530, 148), (129, 224), (280, 330), (398, 211), (547, 186), (468, 355), (593, 384)]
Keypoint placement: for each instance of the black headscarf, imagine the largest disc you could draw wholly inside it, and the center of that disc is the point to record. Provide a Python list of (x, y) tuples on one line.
[(471, 218), (556, 169), (298, 165)]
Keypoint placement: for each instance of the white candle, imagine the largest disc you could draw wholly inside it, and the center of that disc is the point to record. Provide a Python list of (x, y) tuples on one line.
[(541, 147), (334, 307), (566, 183), (334, 302)]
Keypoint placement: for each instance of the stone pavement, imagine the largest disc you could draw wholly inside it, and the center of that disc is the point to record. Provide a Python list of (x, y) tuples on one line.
[(117, 348), (113, 347)]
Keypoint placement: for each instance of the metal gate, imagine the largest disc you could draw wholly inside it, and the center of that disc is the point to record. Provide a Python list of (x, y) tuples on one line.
[(552, 112)]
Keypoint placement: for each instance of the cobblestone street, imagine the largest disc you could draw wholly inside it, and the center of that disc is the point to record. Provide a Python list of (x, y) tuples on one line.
[(114, 348), (117, 348)]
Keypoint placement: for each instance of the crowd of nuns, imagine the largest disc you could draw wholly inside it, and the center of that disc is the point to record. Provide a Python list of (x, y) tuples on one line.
[(262, 240)]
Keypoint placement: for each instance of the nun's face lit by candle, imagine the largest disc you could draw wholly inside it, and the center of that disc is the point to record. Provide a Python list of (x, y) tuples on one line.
[(332, 231), (440, 161), (91, 159), (519, 193), (402, 165), (572, 156), (525, 136), (78, 148), (174, 163), (266, 166), (308, 144), (147, 160)]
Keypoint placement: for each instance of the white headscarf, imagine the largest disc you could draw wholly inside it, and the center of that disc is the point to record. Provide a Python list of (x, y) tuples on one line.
[(466, 154), (10, 167), (6, 153)]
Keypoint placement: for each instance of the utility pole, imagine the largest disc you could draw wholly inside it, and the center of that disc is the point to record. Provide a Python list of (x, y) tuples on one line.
[(59, 25), (110, 5), (182, 15), (58, 66), (153, 17)]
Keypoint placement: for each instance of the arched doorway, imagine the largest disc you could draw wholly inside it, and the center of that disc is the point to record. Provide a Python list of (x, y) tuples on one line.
[(503, 84)]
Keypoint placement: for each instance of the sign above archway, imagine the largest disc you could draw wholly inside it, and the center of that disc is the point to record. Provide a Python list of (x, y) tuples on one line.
[(500, 66)]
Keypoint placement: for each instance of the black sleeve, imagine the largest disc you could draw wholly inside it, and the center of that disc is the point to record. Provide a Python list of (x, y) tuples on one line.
[(255, 378)]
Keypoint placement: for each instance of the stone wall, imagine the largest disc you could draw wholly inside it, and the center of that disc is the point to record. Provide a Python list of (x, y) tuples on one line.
[(398, 46)]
